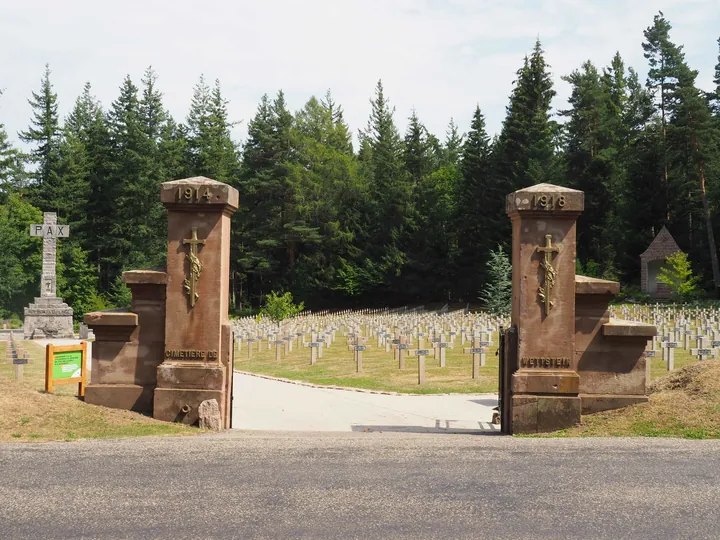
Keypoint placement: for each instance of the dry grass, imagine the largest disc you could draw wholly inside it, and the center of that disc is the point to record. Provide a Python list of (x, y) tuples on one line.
[(29, 414), (380, 371), (685, 403)]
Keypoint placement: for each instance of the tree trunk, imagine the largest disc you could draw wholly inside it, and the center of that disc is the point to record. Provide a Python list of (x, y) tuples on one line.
[(664, 132), (708, 218)]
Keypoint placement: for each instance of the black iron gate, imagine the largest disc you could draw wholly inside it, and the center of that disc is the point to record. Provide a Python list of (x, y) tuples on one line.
[(507, 356)]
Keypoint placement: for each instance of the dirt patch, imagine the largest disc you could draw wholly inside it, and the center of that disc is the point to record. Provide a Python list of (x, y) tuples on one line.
[(684, 403), (690, 378)]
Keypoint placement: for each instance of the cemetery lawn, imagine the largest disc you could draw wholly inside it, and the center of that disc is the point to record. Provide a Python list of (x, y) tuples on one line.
[(31, 415), (684, 403), (380, 371)]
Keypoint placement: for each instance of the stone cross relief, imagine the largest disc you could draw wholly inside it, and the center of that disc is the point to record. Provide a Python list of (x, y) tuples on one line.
[(545, 292), (190, 283)]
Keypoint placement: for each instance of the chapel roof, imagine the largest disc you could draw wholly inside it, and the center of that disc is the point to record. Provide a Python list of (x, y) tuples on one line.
[(662, 246)]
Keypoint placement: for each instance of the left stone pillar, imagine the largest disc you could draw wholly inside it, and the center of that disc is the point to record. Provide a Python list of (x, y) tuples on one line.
[(197, 362)]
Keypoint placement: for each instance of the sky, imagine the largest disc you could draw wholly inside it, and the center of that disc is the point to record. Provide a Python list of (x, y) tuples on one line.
[(439, 57)]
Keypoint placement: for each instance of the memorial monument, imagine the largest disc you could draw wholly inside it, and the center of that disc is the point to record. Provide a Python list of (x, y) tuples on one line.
[(49, 316)]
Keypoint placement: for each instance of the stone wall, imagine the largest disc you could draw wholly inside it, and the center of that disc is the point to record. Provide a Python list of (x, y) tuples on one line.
[(609, 353)]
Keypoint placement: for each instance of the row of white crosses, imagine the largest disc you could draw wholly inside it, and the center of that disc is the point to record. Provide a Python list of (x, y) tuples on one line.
[(402, 333), (693, 329)]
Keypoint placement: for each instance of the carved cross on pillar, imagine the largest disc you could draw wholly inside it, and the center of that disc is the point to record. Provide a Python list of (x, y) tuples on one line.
[(190, 283), (550, 272)]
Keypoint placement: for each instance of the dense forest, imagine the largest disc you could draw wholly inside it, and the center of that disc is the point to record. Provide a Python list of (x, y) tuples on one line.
[(400, 218)]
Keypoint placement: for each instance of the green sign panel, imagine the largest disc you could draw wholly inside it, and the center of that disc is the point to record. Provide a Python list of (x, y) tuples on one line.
[(67, 365)]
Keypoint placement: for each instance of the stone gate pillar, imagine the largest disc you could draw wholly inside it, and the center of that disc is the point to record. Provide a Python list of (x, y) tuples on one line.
[(198, 342), (544, 389)]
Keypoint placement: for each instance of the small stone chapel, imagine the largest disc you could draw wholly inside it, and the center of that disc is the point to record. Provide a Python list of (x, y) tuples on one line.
[(653, 260)]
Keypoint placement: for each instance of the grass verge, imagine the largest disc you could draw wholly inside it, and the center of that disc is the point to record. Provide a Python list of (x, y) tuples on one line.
[(30, 415), (684, 403)]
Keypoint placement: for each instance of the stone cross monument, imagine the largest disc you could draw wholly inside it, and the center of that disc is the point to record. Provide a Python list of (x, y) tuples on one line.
[(49, 316)]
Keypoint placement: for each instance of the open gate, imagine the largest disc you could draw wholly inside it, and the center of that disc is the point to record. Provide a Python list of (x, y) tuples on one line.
[(507, 358)]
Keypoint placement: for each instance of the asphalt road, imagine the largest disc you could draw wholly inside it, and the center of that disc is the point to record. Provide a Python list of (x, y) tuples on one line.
[(360, 485)]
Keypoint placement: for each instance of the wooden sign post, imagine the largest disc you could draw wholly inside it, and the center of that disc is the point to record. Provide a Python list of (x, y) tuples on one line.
[(66, 365)]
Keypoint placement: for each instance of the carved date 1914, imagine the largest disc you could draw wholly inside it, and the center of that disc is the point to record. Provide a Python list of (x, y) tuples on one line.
[(200, 194)]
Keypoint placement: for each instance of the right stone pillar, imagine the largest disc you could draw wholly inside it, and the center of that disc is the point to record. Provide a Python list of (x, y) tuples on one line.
[(544, 388)]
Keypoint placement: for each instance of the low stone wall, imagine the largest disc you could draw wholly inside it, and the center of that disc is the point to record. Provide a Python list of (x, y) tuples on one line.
[(129, 346), (610, 354)]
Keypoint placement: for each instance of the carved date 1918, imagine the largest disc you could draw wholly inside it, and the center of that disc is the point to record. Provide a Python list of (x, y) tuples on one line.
[(548, 202)]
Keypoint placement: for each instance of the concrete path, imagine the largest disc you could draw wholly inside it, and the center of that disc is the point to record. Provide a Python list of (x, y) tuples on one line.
[(271, 405)]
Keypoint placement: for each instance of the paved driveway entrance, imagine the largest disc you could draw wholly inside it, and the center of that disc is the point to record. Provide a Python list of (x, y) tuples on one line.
[(273, 405)]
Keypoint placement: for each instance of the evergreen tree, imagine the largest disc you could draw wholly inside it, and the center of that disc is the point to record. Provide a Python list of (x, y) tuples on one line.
[(663, 58), (12, 174), (416, 151), (693, 137), (44, 134), (453, 144), (716, 80), (525, 153), (591, 156), (211, 151), (267, 234), (21, 256), (497, 293), (389, 192), (132, 239), (480, 220)]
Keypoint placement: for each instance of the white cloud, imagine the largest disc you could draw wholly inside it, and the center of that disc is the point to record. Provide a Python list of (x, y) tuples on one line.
[(440, 57)]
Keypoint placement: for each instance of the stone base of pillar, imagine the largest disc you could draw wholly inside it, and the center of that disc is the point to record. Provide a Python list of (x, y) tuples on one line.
[(182, 387), (48, 317), (541, 414), (131, 397)]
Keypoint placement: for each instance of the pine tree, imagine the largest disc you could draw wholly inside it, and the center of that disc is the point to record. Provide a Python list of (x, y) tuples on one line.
[(44, 134), (267, 236), (327, 199), (132, 237), (591, 157), (389, 192), (453, 144), (416, 150), (211, 151), (663, 58), (12, 174), (693, 140), (20, 257), (497, 292), (716, 80), (525, 153), (480, 220)]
